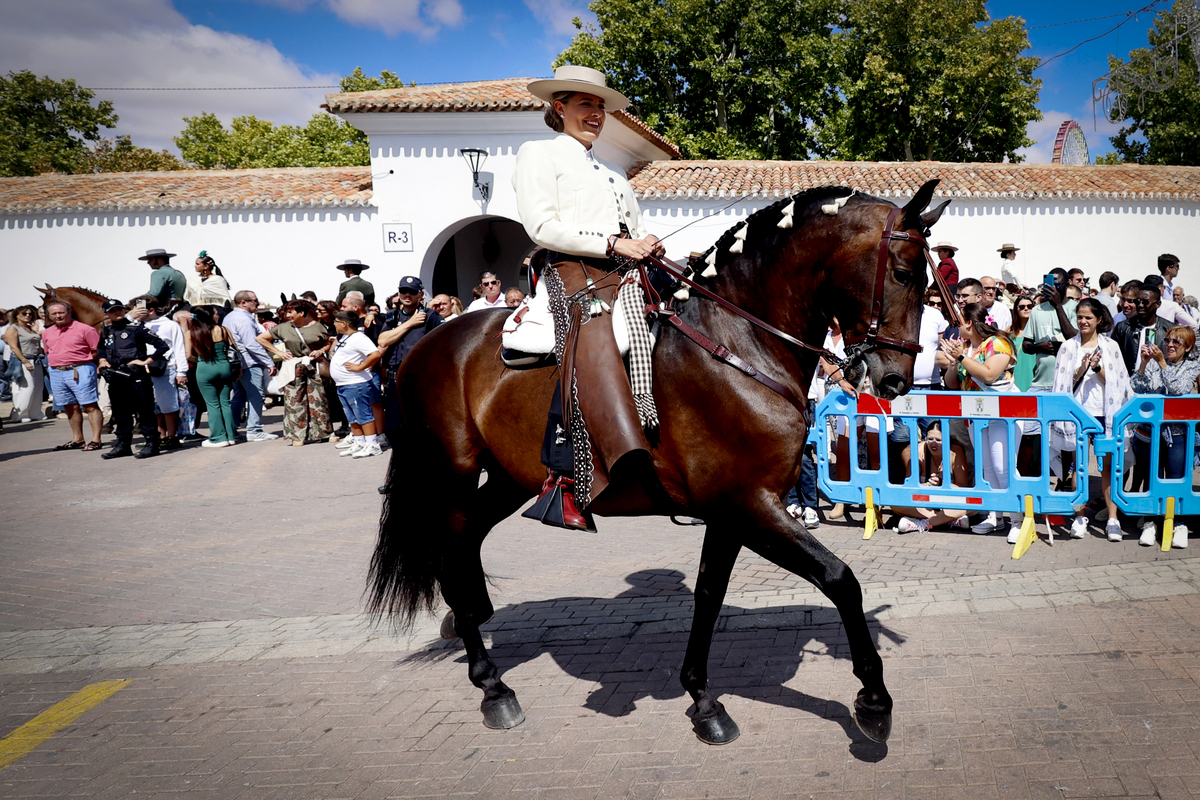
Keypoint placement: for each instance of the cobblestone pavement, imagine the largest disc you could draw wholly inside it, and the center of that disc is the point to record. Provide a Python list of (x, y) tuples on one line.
[(226, 586)]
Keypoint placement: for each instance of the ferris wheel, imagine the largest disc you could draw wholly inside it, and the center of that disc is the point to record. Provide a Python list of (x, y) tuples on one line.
[(1070, 146)]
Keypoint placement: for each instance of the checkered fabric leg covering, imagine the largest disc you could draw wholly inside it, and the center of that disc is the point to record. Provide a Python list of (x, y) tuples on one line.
[(581, 443), (641, 349)]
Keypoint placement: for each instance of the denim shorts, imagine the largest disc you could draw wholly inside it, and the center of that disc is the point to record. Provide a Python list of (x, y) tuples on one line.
[(357, 399), (67, 390), (166, 398)]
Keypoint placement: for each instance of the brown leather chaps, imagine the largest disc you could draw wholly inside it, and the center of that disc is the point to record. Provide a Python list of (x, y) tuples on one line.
[(591, 358)]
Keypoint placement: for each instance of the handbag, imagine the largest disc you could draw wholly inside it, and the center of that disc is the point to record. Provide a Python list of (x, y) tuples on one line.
[(233, 355)]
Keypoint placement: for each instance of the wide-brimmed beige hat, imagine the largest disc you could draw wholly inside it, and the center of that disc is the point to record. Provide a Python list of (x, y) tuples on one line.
[(570, 78), (946, 245), (352, 262), (1007, 246)]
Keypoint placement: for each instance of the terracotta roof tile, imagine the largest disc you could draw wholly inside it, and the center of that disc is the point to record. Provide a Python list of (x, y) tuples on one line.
[(508, 94), (299, 187), (884, 179)]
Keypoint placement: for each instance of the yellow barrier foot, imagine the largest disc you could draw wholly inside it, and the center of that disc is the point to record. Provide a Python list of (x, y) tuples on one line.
[(871, 523), (1168, 525), (1028, 530)]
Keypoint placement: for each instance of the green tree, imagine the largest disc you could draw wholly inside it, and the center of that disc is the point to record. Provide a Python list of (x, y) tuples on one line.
[(45, 123), (359, 81), (720, 78), (325, 141), (934, 80), (849, 79), (1167, 123), (122, 155)]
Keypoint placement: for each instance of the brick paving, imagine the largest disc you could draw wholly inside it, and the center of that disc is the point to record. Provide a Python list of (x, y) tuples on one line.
[(227, 586)]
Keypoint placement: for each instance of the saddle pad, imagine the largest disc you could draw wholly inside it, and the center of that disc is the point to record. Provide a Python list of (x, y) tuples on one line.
[(530, 329)]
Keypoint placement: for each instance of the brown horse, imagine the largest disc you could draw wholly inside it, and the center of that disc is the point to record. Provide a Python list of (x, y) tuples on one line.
[(85, 303), (727, 450)]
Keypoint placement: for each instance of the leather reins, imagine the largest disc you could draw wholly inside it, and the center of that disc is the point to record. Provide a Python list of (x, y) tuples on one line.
[(862, 345)]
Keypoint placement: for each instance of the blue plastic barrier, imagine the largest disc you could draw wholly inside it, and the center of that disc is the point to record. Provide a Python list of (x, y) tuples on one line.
[(1166, 497), (1028, 494)]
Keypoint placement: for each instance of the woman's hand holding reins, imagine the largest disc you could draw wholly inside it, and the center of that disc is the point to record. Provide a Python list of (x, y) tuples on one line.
[(638, 249)]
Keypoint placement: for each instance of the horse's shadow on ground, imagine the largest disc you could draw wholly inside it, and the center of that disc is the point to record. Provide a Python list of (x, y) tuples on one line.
[(633, 645)]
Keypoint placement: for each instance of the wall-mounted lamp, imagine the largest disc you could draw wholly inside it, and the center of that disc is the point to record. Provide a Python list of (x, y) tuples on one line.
[(475, 158)]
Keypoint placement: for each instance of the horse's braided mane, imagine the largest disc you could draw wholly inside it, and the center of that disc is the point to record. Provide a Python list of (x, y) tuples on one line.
[(772, 214)]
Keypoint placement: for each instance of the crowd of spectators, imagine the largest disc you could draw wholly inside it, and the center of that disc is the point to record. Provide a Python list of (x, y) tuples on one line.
[(193, 346), (1099, 344)]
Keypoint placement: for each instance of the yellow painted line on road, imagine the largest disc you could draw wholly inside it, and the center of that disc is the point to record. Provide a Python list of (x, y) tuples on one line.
[(29, 736)]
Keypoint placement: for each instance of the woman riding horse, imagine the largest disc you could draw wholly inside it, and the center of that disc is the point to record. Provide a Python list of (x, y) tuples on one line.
[(584, 212), (728, 445)]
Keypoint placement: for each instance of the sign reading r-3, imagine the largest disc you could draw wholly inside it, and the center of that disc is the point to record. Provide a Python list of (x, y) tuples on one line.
[(397, 237)]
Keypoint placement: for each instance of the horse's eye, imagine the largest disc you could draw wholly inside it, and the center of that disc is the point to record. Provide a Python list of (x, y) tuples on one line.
[(904, 276)]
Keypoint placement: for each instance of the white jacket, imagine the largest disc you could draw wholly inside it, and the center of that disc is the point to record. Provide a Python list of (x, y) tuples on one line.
[(571, 202)]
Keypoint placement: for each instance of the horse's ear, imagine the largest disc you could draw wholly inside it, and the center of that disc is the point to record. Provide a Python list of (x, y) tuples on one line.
[(930, 217), (282, 299), (912, 211)]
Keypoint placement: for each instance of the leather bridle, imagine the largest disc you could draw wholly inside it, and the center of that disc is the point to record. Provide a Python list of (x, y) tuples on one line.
[(858, 347)]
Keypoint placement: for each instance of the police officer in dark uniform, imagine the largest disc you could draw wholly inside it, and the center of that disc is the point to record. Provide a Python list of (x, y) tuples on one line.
[(129, 353), (399, 336)]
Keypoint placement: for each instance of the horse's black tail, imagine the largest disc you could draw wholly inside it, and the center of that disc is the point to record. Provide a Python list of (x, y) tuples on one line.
[(404, 568)]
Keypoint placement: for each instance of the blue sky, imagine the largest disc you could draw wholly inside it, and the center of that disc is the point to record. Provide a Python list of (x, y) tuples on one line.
[(253, 43)]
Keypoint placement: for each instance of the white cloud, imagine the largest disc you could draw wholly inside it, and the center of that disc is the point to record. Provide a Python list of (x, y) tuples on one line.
[(146, 43), (422, 17), (1096, 130), (557, 16)]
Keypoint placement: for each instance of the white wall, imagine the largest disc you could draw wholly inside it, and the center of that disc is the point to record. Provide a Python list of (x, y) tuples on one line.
[(1095, 235), (269, 251)]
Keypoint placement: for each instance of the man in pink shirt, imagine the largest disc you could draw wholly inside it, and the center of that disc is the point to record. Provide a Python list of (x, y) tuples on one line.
[(71, 351)]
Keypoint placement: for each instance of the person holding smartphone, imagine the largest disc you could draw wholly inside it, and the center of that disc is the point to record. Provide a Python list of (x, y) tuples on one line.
[(1050, 324)]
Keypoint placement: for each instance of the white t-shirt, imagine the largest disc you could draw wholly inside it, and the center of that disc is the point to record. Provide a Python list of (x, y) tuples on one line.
[(925, 369), (1090, 393), (356, 347), (482, 302), (1000, 316), (169, 331)]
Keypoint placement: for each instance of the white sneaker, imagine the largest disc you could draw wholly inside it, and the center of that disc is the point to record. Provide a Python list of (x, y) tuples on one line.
[(1014, 533), (1079, 527), (1149, 534), (1179, 538), (912, 525), (261, 436), (1113, 529), (366, 451), (211, 443), (963, 523), (344, 443), (989, 524), (793, 511), (811, 520), (352, 449)]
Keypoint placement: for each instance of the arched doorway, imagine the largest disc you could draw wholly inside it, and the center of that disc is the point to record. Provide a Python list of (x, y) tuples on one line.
[(497, 244)]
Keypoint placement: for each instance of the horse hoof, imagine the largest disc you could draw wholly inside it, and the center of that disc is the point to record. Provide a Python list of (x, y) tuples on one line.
[(449, 632), (718, 729), (876, 726), (502, 713)]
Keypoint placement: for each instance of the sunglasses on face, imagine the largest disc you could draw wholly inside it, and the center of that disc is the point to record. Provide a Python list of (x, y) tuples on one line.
[(1141, 302), (1025, 307), (406, 291), (1171, 341), (491, 283)]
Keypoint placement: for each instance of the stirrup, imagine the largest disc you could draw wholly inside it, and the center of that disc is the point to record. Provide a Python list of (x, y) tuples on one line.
[(556, 506)]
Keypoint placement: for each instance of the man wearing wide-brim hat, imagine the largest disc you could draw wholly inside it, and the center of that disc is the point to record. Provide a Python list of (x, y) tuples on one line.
[(166, 282), (354, 282), (946, 264)]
